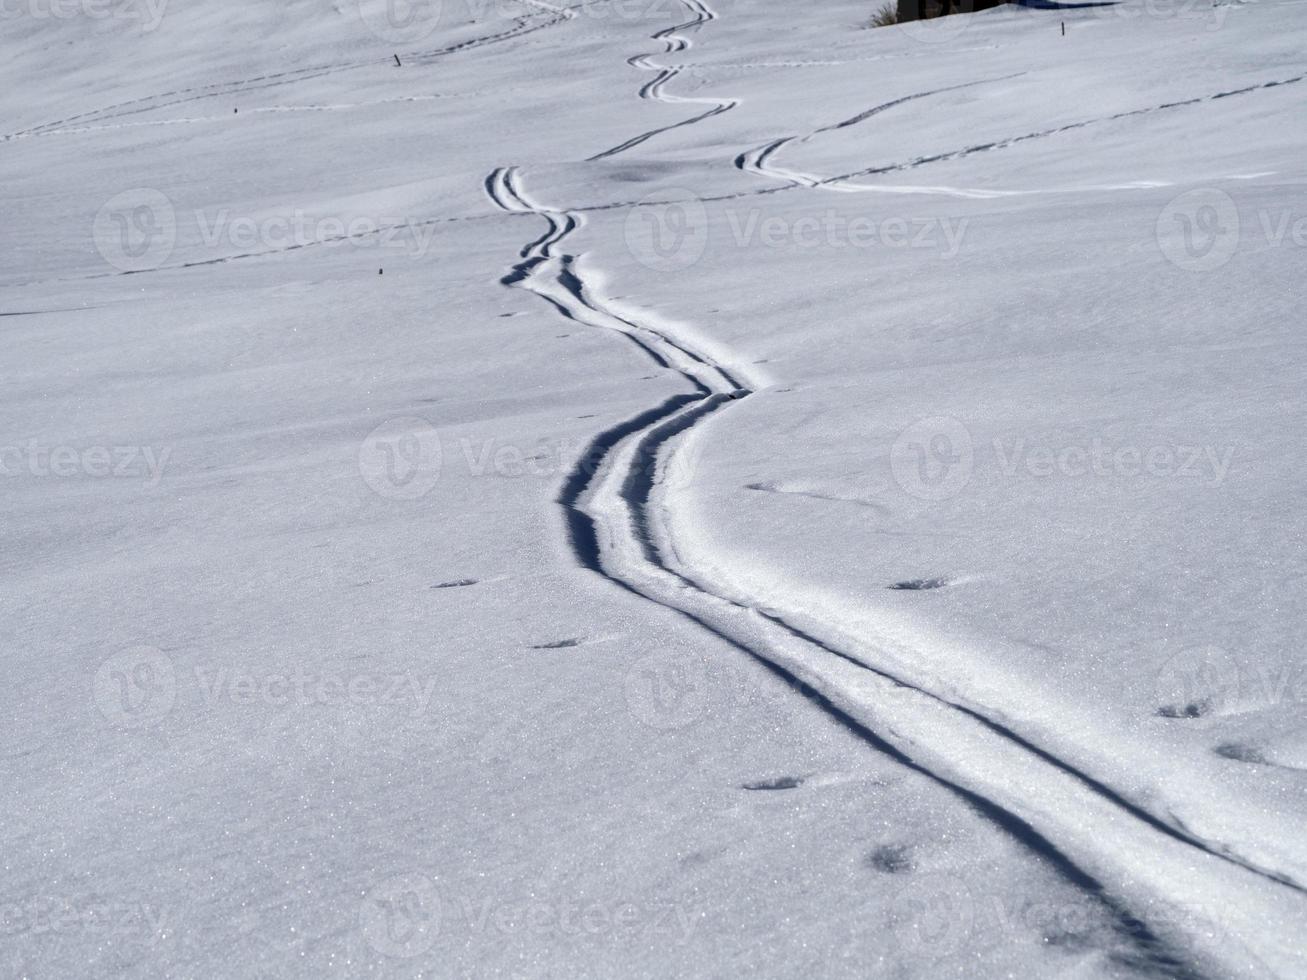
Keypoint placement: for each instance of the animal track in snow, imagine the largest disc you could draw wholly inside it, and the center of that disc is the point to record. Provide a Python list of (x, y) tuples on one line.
[(1242, 753), (1193, 709), (780, 782), (894, 859), (919, 584)]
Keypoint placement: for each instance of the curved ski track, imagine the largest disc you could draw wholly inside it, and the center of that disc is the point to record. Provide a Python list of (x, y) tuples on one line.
[(758, 160), (612, 503), (654, 90), (616, 503), (544, 15)]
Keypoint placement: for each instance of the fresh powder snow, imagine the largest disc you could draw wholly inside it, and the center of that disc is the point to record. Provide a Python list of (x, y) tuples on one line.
[(653, 488)]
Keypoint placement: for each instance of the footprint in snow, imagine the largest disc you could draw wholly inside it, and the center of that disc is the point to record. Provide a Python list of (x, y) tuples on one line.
[(1194, 709), (919, 584), (456, 584), (893, 859), (781, 782), (1242, 753)]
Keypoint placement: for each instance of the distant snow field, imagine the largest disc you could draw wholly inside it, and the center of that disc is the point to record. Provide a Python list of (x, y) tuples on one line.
[(653, 488)]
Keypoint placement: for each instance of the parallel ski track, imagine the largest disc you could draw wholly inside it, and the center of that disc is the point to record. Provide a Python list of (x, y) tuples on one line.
[(610, 511), (614, 504), (655, 89), (758, 160)]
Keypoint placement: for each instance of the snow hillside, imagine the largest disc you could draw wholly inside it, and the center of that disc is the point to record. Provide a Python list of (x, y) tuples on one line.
[(676, 488)]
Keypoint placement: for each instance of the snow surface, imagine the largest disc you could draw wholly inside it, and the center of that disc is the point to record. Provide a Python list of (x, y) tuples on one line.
[(661, 488)]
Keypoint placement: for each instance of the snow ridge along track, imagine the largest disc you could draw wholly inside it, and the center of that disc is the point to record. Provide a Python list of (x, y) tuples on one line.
[(557, 279), (1150, 811), (613, 503), (654, 90), (1209, 911)]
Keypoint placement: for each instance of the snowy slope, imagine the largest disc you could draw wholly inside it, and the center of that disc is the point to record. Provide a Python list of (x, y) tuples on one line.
[(798, 498)]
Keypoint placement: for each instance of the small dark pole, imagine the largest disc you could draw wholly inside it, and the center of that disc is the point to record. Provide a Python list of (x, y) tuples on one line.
[(1064, 28), (398, 63)]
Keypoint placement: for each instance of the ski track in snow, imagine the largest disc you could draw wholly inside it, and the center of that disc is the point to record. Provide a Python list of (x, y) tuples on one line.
[(758, 160), (1041, 134), (654, 90), (611, 509), (384, 232), (525, 24), (616, 504), (253, 110)]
